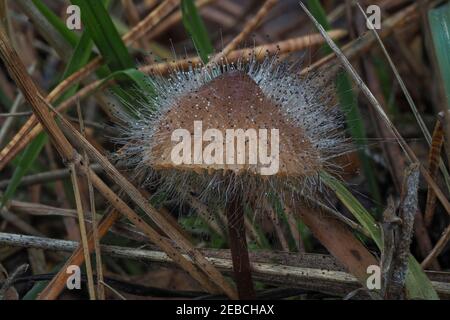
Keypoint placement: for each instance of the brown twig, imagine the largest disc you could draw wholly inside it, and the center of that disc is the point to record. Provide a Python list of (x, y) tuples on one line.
[(44, 177), (258, 53), (315, 272), (20, 224), (154, 237), (83, 232), (27, 133), (437, 142), (132, 14), (58, 283), (248, 28), (98, 254), (32, 94)]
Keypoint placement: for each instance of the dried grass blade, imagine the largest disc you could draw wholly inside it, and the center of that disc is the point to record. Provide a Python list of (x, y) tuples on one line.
[(437, 142), (98, 254), (83, 232)]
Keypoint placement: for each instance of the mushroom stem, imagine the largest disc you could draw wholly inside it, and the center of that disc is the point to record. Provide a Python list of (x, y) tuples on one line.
[(239, 251)]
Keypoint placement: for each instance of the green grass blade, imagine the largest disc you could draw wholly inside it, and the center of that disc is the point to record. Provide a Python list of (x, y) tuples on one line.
[(354, 206), (440, 29), (104, 34), (27, 159), (195, 27), (107, 39), (318, 12), (139, 89), (39, 286), (355, 125), (70, 36), (382, 72), (135, 76), (439, 19), (417, 283), (79, 58)]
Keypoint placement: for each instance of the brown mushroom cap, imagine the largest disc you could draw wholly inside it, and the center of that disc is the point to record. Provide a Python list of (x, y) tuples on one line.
[(234, 101)]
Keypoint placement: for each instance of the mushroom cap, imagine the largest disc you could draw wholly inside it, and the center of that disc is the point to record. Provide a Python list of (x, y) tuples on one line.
[(234, 100)]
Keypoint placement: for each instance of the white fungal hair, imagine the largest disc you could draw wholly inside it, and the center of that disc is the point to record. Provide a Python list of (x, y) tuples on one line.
[(305, 102)]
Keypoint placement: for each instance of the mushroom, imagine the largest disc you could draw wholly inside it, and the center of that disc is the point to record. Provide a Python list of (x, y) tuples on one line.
[(237, 133)]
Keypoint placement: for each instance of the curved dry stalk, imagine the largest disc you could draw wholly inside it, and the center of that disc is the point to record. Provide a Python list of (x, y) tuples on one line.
[(150, 21)]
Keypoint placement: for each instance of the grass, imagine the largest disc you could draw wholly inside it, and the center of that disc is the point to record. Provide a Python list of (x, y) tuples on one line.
[(440, 28), (195, 27)]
